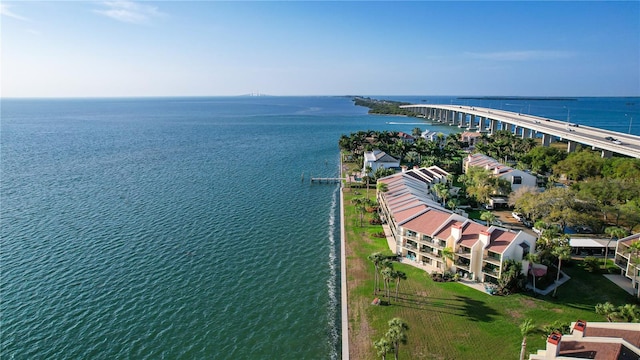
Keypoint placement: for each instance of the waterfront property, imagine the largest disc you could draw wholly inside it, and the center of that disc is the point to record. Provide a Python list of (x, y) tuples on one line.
[(424, 231), (517, 178), (597, 340), (624, 259), (379, 159)]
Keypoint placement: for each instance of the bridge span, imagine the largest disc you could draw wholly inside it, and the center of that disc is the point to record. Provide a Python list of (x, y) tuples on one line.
[(491, 120)]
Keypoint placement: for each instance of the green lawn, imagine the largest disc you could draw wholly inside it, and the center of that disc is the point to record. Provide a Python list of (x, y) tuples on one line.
[(451, 320)]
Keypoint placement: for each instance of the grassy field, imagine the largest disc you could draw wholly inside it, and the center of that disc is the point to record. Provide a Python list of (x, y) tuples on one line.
[(451, 320)]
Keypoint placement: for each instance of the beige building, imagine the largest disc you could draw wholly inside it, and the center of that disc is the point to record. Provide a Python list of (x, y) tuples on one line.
[(623, 259), (595, 340), (422, 229)]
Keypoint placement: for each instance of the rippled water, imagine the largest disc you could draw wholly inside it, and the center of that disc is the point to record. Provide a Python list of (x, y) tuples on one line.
[(172, 228)]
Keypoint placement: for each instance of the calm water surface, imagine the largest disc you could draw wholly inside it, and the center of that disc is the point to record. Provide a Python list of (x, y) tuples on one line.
[(178, 227)]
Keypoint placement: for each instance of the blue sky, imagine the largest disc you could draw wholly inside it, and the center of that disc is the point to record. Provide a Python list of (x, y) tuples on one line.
[(212, 48)]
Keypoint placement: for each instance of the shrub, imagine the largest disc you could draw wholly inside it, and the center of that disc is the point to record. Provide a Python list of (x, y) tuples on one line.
[(591, 264)]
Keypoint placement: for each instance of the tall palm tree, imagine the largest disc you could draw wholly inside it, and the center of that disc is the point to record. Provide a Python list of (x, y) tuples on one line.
[(526, 327), (533, 258), (382, 187), (488, 216), (613, 232), (634, 251), (442, 191), (397, 334), (367, 177), (447, 254), (562, 251), (399, 275), (376, 258), (384, 346), (387, 275)]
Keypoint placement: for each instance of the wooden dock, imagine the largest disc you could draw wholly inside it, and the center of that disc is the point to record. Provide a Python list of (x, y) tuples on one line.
[(326, 180)]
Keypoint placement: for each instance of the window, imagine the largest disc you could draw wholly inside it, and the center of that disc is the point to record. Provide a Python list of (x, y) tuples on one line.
[(517, 180)]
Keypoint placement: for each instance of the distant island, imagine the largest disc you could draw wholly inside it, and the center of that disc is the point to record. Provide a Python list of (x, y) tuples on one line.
[(383, 107), (517, 98)]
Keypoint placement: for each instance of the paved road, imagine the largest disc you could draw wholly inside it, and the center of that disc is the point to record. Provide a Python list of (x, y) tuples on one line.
[(594, 137)]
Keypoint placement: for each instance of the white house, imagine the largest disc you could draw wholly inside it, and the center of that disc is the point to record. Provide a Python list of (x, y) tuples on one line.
[(517, 178), (379, 159)]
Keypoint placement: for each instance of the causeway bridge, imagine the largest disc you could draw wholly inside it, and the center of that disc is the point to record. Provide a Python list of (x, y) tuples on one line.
[(491, 120)]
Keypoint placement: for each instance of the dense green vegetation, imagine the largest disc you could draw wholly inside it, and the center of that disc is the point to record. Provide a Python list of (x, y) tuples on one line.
[(386, 107), (600, 193), (445, 152)]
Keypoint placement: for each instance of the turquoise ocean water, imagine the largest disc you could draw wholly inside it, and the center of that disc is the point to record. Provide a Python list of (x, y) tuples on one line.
[(181, 228)]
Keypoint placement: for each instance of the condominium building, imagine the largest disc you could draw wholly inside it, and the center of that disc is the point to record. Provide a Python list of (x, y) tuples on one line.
[(595, 340), (623, 257), (423, 229)]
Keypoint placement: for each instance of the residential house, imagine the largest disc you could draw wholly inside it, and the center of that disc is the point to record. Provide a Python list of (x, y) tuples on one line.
[(379, 159), (517, 178), (471, 138)]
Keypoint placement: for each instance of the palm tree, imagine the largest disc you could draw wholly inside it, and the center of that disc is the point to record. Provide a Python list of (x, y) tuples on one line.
[(376, 258), (367, 177), (488, 216), (453, 204), (607, 309), (399, 275), (361, 206), (634, 250), (397, 334), (525, 329), (442, 191), (387, 275), (384, 346), (533, 258), (628, 312), (382, 187), (562, 251), (447, 254), (613, 232)]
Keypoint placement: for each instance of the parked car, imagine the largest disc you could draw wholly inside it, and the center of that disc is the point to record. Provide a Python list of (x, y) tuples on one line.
[(487, 206), (518, 216)]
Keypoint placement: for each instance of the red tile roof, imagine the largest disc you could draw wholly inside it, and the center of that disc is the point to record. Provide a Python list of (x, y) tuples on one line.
[(428, 222), (500, 240)]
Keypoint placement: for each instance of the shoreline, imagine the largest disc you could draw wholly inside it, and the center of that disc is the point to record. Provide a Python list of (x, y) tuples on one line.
[(343, 278)]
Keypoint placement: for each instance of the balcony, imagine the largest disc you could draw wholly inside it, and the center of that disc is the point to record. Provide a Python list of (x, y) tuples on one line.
[(410, 234), (426, 250), (427, 239), (491, 260), (464, 252), (411, 246), (621, 263), (462, 265), (493, 271)]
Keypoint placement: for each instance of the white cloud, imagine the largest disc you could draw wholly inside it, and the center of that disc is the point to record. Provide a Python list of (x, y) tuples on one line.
[(129, 11), (4, 11), (524, 55)]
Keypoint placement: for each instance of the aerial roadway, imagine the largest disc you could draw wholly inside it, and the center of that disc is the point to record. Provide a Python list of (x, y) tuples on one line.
[(607, 141)]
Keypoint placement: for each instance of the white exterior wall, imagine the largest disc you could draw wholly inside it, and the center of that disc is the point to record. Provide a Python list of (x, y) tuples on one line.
[(527, 179)]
